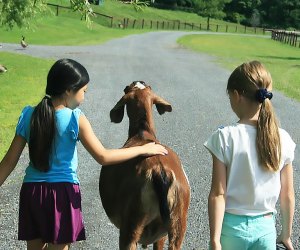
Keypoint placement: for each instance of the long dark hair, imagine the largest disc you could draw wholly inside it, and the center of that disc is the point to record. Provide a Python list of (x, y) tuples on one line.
[(251, 79), (64, 75)]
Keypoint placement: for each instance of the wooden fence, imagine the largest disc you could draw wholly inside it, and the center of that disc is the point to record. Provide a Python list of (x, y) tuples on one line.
[(288, 37), (126, 23)]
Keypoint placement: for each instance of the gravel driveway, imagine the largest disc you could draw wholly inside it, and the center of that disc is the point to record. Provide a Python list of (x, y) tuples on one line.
[(195, 86)]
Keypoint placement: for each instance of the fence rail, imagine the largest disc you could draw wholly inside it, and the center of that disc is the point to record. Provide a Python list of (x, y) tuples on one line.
[(57, 7), (126, 23), (288, 37)]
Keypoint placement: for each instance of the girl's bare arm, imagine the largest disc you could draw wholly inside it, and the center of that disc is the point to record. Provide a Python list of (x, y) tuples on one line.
[(287, 205), (216, 202), (11, 158)]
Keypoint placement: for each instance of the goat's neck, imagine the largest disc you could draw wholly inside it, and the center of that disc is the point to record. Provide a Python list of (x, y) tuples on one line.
[(144, 123)]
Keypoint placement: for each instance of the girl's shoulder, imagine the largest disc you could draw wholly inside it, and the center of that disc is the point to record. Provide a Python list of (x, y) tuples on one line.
[(234, 131), (232, 128), (26, 113), (67, 112), (77, 112), (285, 137), (284, 133), (27, 109)]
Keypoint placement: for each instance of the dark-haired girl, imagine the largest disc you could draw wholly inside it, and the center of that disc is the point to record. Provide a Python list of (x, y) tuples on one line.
[(50, 214), (252, 168)]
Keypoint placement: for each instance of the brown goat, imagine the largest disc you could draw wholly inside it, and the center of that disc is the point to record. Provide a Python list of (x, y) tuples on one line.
[(147, 198)]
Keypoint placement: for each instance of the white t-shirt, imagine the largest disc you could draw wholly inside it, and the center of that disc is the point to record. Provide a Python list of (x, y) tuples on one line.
[(251, 189)]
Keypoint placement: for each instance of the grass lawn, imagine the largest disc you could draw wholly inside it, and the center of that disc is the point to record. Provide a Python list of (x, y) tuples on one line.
[(120, 10), (282, 60), (21, 85), (53, 30)]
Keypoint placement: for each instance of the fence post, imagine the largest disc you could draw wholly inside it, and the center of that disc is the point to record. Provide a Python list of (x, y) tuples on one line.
[(217, 27), (163, 25), (111, 22), (133, 24), (56, 10), (143, 22), (296, 40), (226, 28), (235, 29), (192, 26), (178, 25), (151, 24), (124, 25), (157, 25), (200, 27)]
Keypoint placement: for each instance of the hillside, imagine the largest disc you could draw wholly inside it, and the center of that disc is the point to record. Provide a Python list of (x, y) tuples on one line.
[(68, 29), (161, 19)]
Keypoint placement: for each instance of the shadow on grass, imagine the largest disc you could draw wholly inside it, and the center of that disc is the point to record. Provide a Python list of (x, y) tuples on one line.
[(281, 58)]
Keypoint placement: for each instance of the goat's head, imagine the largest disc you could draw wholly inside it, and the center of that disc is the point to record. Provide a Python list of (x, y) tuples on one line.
[(139, 99)]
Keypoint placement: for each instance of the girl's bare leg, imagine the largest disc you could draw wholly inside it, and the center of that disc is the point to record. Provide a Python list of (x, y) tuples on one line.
[(58, 246), (36, 244)]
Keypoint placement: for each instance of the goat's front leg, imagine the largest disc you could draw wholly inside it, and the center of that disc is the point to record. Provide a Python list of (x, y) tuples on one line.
[(159, 245), (131, 231)]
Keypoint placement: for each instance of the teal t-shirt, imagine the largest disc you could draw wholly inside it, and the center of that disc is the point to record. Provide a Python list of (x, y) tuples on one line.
[(63, 160)]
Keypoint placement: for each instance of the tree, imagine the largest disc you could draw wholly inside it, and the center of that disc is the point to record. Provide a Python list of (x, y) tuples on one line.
[(281, 13), (21, 12), (210, 9), (243, 11)]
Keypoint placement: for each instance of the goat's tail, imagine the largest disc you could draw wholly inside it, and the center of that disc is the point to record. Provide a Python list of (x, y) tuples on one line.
[(161, 183)]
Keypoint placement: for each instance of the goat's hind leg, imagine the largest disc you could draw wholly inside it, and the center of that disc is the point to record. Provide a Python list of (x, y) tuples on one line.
[(176, 233)]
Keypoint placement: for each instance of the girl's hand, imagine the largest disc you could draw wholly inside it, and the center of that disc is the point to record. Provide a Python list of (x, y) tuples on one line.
[(287, 242), (216, 246), (154, 149)]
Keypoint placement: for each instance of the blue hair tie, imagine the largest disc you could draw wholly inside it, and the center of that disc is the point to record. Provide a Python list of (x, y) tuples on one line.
[(262, 95)]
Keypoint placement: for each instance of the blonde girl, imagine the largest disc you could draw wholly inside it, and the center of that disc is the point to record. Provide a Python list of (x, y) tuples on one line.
[(252, 168), (50, 214)]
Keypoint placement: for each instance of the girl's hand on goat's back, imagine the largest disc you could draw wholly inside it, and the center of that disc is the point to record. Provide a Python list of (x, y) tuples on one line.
[(154, 149)]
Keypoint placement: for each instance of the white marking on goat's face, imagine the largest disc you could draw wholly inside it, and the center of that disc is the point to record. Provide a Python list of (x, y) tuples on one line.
[(139, 85)]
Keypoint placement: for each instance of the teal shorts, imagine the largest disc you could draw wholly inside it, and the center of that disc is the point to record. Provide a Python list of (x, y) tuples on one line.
[(241, 232)]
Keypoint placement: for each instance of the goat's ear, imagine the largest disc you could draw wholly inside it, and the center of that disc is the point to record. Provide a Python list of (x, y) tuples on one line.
[(162, 106), (117, 112)]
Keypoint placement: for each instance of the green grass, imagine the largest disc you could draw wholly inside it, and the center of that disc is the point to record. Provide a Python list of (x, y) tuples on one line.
[(282, 60), (23, 84), (68, 29), (119, 11), (53, 30)]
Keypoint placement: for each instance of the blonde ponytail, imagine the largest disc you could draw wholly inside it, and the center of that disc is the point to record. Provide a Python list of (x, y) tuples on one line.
[(268, 138)]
